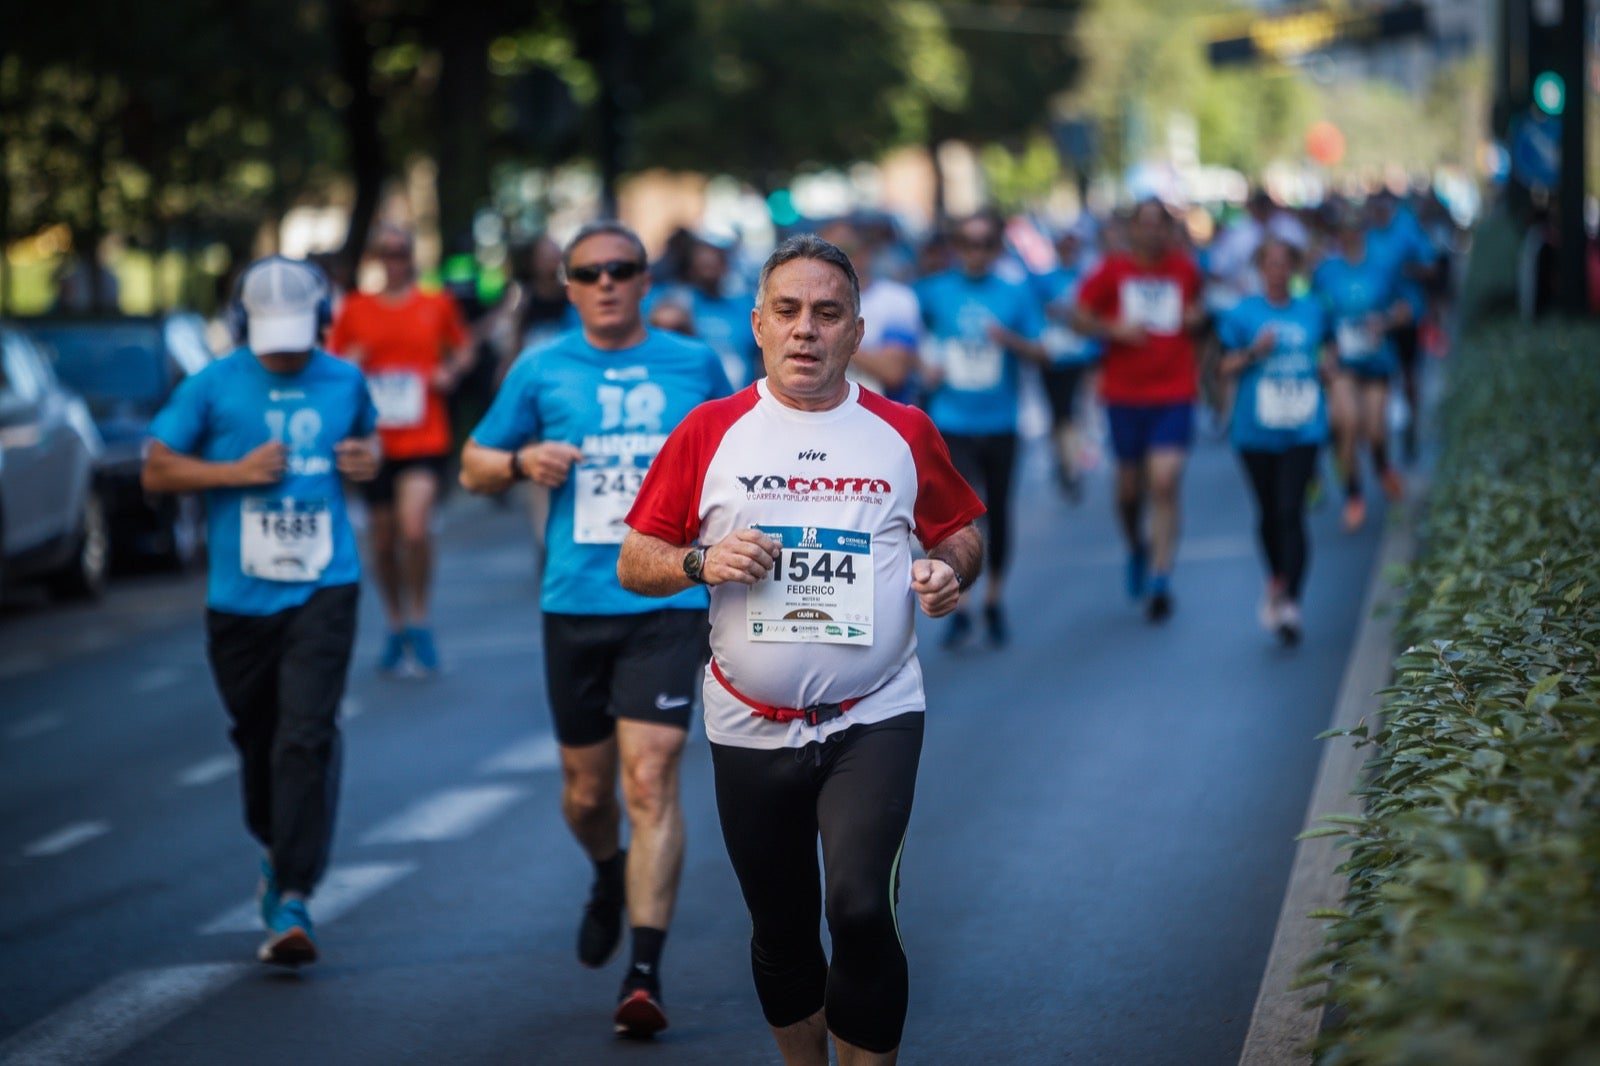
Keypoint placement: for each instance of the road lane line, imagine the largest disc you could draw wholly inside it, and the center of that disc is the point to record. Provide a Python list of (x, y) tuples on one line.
[(25, 663), (29, 728), (526, 756), (65, 839), (159, 678), (342, 889), (449, 815), (119, 1013), (349, 708), (206, 771)]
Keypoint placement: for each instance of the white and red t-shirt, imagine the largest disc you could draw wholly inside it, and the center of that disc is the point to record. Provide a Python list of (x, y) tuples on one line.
[(849, 487)]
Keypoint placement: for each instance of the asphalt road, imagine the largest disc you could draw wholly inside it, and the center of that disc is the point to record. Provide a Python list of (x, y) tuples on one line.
[(1100, 844)]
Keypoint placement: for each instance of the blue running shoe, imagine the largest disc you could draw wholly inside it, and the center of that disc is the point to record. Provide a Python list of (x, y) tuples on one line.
[(420, 640), (394, 653), (267, 892), (1138, 571), (291, 942)]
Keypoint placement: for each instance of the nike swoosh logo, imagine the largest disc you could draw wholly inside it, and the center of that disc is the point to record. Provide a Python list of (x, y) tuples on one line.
[(665, 702)]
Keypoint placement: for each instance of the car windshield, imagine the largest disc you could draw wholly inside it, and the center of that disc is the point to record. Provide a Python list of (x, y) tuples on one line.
[(109, 361)]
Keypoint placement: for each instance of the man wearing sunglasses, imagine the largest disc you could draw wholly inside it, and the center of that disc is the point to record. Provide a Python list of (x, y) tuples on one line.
[(414, 349), (583, 415)]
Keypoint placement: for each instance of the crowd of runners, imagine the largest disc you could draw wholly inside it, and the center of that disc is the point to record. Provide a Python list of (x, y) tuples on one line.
[(745, 482)]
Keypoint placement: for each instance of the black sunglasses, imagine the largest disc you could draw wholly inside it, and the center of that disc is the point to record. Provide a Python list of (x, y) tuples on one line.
[(619, 269)]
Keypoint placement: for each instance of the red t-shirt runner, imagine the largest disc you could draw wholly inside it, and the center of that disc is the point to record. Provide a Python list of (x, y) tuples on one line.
[(401, 343), (1163, 369)]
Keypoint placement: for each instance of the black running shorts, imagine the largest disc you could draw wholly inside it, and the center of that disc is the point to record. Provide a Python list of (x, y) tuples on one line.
[(601, 667)]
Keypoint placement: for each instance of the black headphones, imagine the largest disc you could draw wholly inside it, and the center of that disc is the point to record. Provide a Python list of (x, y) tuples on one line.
[(239, 319)]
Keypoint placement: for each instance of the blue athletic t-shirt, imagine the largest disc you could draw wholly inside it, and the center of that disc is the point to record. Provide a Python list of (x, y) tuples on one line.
[(1398, 245), (272, 546), (1279, 403), (978, 393), (618, 407), (1350, 292), (723, 322), (1066, 347)]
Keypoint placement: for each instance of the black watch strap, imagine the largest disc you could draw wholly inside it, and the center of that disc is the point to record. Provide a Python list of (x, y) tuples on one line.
[(517, 473), (694, 564)]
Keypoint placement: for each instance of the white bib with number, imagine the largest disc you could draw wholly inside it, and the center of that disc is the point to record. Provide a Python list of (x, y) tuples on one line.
[(971, 365), (400, 397), (605, 494), (820, 590), (1157, 305), (1286, 403), (282, 539), (1355, 341)]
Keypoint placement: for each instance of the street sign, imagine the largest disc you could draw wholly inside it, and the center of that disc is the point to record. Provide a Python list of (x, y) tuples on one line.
[(1536, 151), (1300, 31)]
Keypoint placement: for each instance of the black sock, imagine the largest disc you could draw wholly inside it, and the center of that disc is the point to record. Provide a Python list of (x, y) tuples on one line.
[(647, 945), (611, 874)]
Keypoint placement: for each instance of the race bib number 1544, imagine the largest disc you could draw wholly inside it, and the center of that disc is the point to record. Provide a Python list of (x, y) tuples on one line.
[(820, 591)]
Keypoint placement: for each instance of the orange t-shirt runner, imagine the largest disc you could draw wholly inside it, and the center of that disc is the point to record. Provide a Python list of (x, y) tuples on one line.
[(401, 344)]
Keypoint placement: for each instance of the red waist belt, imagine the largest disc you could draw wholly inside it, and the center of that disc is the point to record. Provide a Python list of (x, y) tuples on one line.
[(814, 715)]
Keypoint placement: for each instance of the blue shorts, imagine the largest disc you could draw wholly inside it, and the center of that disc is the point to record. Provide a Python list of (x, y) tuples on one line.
[(1136, 430)]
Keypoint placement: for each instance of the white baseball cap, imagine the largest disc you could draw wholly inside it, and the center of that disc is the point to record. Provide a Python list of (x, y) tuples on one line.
[(285, 302)]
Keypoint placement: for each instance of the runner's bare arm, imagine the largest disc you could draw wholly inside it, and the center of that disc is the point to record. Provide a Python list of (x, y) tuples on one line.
[(168, 471), (1020, 346), (489, 470), (357, 458), (936, 586), (455, 366), (651, 566)]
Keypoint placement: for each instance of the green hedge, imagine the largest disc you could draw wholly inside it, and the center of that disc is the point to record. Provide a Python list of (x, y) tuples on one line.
[(1471, 930)]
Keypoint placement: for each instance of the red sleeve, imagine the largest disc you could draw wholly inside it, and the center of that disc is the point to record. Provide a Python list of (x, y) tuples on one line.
[(668, 504), (343, 331), (1099, 291), (945, 502), (455, 328)]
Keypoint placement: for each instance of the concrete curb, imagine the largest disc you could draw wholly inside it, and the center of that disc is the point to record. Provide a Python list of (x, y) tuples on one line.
[(1283, 1024)]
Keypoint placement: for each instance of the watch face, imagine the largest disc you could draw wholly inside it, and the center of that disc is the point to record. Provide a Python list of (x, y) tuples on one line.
[(694, 562)]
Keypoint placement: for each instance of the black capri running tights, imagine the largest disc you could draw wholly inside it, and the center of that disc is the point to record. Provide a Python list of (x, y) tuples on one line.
[(1279, 480), (987, 462), (854, 789)]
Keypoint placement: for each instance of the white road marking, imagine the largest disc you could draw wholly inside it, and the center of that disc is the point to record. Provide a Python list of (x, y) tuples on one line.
[(449, 815), (160, 678), (526, 756), (116, 1015), (349, 708), (206, 771), (65, 839), (25, 663), (32, 727), (342, 888)]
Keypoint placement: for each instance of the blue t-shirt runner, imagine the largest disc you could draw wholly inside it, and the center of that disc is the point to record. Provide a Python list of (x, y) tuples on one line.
[(1065, 347), (617, 407), (1280, 402), (1354, 294), (979, 388), (272, 546)]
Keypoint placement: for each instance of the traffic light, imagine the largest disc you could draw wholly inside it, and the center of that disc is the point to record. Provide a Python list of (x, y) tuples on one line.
[(1549, 92)]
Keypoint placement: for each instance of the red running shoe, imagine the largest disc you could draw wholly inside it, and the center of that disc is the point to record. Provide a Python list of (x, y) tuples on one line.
[(639, 1015)]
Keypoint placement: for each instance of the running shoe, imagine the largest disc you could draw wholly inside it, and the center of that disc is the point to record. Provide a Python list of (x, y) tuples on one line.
[(393, 655), (994, 620), (267, 892), (600, 932), (639, 1015), (1355, 513), (1289, 623), (1393, 488), (423, 650), (1138, 572), (1267, 613), (1159, 607), (292, 941), (960, 627)]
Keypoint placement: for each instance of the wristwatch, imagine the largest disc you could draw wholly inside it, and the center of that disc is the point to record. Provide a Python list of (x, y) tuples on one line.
[(694, 564), (517, 473)]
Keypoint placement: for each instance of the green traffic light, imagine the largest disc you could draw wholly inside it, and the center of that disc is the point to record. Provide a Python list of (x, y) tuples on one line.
[(1549, 92)]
